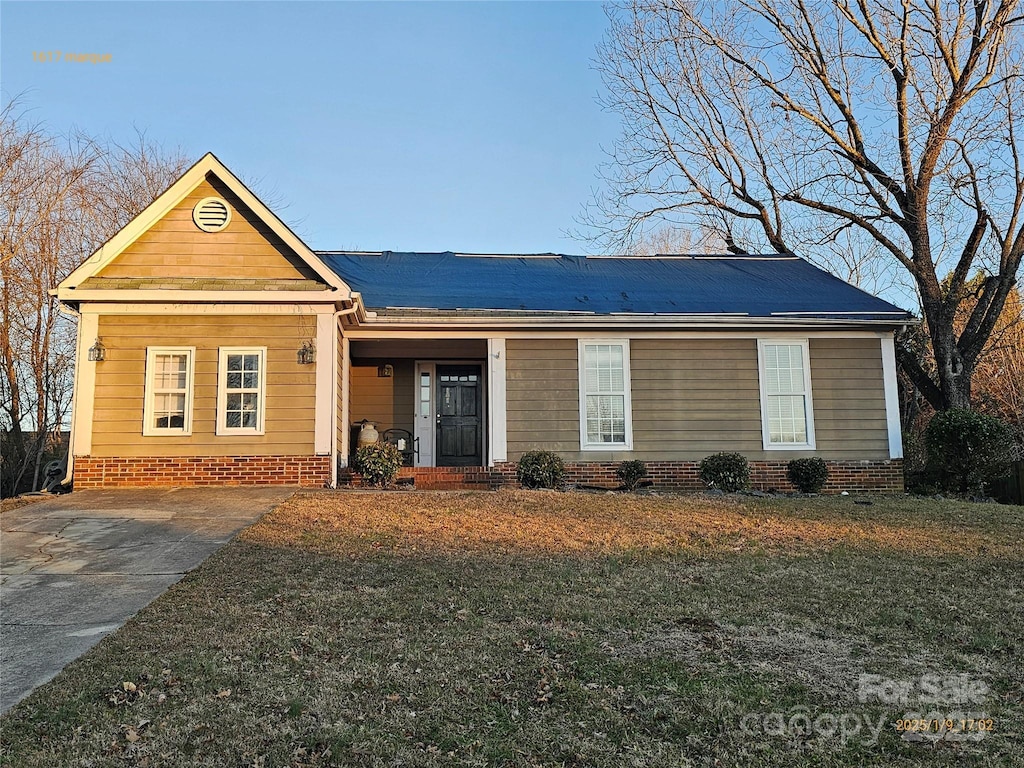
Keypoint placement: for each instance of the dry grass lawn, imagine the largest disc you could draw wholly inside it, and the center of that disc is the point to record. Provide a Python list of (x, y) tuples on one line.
[(536, 628)]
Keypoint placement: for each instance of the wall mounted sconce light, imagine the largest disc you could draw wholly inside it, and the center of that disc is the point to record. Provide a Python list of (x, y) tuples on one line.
[(97, 352), (385, 371), (307, 353)]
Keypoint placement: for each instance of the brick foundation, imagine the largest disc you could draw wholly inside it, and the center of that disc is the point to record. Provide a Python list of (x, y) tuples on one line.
[(873, 476), (884, 476), (112, 472)]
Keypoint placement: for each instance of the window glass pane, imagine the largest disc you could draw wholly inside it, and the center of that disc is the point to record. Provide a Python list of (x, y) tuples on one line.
[(424, 394), (786, 401), (784, 369), (606, 418), (171, 371), (787, 419), (167, 391), (243, 390), (604, 381)]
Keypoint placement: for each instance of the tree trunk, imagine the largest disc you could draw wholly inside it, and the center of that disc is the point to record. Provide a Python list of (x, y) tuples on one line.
[(951, 370)]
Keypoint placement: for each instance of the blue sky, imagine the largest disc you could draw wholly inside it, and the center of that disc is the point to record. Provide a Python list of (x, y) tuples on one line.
[(468, 126)]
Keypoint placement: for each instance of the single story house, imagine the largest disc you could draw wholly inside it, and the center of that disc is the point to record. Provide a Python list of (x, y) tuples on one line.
[(214, 347)]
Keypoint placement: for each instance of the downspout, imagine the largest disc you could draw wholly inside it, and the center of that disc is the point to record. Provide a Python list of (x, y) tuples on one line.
[(69, 473), (334, 390)]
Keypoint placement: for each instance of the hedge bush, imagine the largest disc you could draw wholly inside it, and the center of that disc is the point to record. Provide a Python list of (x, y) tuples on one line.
[(808, 475), (727, 472), (967, 450), (631, 473), (379, 463), (540, 469)]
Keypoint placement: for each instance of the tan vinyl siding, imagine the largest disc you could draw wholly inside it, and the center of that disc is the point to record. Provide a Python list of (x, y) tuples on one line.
[(387, 402), (120, 384), (849, 398), (542, 396), (174, 247), (694, 397)]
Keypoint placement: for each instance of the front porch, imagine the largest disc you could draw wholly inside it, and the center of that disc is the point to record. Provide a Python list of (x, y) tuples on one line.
[(440, 400)]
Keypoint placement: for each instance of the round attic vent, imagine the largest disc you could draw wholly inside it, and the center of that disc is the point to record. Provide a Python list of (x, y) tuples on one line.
[(211, 214)]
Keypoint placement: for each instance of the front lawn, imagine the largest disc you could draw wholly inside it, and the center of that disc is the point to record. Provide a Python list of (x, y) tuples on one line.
[(537, 628)]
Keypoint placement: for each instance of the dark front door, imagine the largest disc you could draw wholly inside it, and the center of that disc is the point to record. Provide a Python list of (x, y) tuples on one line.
[(459, 423)]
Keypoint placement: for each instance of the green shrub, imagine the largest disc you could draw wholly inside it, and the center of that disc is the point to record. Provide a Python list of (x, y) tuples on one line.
[(540, 469), (379, 463), (631, 473), (726, 471), (967, 449), (808, 475)]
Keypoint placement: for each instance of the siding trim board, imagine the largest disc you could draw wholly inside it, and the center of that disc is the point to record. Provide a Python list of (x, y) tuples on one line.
[(892, 398)]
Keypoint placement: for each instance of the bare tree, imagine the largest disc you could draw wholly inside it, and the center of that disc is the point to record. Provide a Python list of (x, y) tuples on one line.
[(846, 131), (60, 198), (668, 240), (998, 387)]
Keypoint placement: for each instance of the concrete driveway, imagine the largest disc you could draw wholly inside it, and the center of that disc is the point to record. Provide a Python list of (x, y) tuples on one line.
[(74, 568)]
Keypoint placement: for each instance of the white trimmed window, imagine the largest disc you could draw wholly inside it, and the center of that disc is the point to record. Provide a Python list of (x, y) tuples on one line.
[(787, 417), (168, 404), (241, 390), (605, 409)]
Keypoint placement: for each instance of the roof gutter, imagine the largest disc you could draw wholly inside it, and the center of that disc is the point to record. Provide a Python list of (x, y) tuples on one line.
[(452, 322)]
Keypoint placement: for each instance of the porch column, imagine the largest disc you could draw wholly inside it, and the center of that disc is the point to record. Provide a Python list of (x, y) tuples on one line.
[(324, 409), (85, 386), (496, 425), (346, 401)]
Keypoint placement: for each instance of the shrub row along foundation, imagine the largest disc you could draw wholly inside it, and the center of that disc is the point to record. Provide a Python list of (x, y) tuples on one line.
[(874, 476)]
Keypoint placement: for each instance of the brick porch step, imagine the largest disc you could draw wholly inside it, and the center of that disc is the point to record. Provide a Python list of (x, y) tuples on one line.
[(438, 478)]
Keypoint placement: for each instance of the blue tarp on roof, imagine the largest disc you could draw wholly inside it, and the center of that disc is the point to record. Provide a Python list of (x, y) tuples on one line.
[(758, 286)]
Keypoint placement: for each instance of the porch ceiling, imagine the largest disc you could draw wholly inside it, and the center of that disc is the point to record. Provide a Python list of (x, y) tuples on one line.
[(419, 349)]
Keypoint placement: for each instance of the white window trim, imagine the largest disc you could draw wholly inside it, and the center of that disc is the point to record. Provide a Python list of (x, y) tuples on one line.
[(761, 375), (628, 392), (148, 430), (222, 391)]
